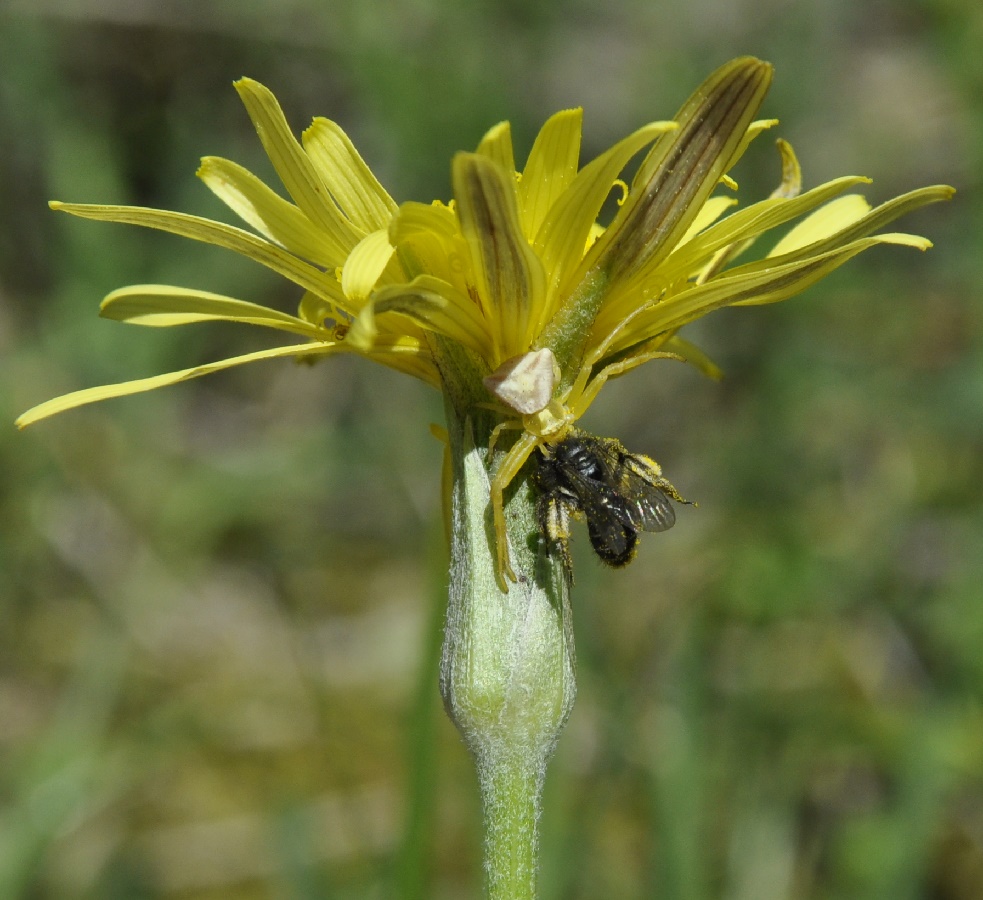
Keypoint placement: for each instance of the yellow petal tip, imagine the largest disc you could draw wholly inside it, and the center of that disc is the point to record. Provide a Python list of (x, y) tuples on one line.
[(247, 85)]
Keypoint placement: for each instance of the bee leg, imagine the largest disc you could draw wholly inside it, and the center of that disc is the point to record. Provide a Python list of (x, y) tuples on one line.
[(651, 471), (553, 516), (666, 487)]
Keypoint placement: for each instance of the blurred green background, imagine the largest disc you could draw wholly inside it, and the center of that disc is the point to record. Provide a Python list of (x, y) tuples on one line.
[(220, 604)]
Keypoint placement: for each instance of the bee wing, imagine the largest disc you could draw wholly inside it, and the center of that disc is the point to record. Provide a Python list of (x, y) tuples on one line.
[(646, 503), (650, 509)]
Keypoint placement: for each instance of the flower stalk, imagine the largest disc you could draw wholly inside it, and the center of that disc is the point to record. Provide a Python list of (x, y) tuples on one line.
[(508, 669)]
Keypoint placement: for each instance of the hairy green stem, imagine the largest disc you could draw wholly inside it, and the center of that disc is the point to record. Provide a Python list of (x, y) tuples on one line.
[(511, 796), (507, 666)]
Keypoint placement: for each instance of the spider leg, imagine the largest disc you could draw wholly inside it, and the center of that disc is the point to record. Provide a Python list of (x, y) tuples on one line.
[(507, 425), (509, 467), (588, 391)]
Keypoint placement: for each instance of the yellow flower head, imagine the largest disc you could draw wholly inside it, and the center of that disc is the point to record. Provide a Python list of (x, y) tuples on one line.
[(512, 294)]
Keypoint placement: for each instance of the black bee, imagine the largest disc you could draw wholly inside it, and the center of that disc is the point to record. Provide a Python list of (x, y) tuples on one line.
[(617, 492)]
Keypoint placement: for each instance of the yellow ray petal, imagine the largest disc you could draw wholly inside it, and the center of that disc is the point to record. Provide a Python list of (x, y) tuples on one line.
[(209, 232), (507, 271), (756, 283), (550, 168), (564, 233), (682, 169), (407, 355), (413, 217), (108, 391), (163, 305), (351, 182), (738, 227), (822, 223), (267, 212), (790, 186), (364, 330), (429, 241), (900, 239), (497, 146), (448, 311), (364, 266), (319, 312), (877, 218), (712, 210), (301, 178)]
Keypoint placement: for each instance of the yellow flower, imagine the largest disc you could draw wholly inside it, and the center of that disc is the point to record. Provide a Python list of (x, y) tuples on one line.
[(458, 294)]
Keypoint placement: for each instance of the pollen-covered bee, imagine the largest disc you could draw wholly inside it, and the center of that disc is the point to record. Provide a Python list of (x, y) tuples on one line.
[(618, 493)]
